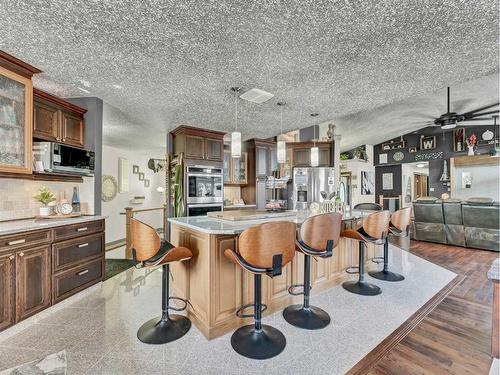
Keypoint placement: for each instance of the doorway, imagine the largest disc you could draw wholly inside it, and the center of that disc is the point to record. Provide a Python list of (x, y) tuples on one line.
[(345, 188), (421, 185)]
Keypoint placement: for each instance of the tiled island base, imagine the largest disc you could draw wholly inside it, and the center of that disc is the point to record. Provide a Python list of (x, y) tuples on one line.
[(98, 332)]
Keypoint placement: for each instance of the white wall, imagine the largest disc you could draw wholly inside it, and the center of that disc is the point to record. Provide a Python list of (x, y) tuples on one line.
[(115, 224), (356, 167), (485, 182)]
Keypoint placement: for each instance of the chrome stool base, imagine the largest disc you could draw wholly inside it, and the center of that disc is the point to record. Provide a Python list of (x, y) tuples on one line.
[(265, 343), (386, 275), (161, 331), (362, 287), (311, 317)]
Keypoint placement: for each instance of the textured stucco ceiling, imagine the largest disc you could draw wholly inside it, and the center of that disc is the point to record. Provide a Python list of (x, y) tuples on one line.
[(176, 60)]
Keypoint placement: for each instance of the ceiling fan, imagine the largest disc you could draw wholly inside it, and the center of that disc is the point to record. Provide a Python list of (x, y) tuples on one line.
[(450, 120)]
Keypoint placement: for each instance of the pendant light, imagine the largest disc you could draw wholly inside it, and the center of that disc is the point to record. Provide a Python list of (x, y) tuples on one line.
[(314, 149), (281, 145), (236, 135)]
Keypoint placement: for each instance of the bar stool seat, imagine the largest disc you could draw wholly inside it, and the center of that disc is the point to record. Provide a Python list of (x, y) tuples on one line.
[(262, 250), (399, 226), (374, 231), (318, 236), (150, 252)]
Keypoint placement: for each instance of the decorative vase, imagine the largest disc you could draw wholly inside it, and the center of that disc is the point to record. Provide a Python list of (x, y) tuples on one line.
[(44, 211), (471, 151)]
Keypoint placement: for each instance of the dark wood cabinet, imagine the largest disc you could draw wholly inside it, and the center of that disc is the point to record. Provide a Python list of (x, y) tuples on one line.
[(32, 281), (72, 130), (7, 302), (301, 155), (214, 149), (199, 144), (57, 120), (45, 122), (235, 169), (40, 268), (261, 161)]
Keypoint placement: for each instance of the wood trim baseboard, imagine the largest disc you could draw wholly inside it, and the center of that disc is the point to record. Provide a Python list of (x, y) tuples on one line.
[(372, 358)]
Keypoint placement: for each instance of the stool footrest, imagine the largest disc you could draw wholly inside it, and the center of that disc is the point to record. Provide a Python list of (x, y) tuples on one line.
[(291, 289), (350, 270), (184, 306), (378, 260), (239, 312)]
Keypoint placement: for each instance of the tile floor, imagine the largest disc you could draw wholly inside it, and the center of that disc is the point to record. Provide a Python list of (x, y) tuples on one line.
[(98, 331)]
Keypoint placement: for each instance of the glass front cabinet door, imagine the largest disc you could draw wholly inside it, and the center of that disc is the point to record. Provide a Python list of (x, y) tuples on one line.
[(16, 113)]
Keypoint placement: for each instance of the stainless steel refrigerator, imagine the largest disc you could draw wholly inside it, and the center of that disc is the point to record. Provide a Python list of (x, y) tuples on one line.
[(312, 184)]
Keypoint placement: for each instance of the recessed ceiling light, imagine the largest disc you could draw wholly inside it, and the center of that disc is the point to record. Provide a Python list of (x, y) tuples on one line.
[(83, 90), (421, 165), (119, 87), (85, 83), (257, 96)]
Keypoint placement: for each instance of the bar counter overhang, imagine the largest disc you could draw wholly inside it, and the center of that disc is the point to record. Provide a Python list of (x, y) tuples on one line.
[(217, 288)]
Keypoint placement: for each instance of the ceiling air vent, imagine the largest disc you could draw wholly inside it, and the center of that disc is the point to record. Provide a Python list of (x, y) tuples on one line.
[(256, 96)]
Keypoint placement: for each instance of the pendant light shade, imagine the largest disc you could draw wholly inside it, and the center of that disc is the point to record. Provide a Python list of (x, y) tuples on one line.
[(236, 135), (314, 149), (281, 145), (235, 144), (314, 156), (281, 151)]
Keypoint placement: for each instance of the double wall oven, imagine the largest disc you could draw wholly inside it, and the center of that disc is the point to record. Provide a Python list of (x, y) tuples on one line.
[(204, 188)]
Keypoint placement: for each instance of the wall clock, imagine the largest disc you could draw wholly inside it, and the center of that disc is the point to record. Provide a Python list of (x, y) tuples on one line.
[(398, 156), (109, 188)]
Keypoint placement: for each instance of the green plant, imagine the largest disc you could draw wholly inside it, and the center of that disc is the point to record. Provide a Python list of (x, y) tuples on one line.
[(45, 196), (344, 156)]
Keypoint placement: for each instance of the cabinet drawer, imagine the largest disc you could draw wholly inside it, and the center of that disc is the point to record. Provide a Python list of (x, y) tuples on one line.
[(72, 281), (72, 252), (75, 230), (16, 241)]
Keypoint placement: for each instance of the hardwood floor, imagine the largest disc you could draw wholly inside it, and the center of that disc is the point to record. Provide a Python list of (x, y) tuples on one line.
[(455, 337)]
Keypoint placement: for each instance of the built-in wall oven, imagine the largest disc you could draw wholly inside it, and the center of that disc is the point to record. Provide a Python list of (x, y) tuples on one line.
[(205, 192)]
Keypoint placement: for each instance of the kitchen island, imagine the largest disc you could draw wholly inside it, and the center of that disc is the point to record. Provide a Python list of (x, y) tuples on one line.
[(216, 288)]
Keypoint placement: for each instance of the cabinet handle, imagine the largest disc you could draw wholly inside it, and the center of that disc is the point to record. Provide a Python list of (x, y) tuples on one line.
[(82, 272), (83, 245), (11, 257), (21, 254), (82, 229), (16, 242)]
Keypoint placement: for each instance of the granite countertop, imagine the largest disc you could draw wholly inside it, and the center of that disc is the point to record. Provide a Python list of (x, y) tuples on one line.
[(25, 225), (494, 272), (236, 206), (209, 225)]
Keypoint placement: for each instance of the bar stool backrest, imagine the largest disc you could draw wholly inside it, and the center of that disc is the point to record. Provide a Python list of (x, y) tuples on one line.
[(401, 219), (145, 240), (317, 230), (377, 225), (368, 206), (257, 245)]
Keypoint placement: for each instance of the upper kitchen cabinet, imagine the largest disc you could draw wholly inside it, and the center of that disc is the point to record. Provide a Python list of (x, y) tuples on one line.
[(301, 154), (16, 114), (198, 144), (264, 153), (235, 169), (57, 120)]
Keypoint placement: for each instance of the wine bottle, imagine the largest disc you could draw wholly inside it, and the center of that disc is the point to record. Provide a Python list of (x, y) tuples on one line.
[(75, 200)]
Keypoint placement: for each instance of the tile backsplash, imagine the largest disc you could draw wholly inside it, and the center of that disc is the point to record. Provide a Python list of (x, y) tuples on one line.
[(16, 196)]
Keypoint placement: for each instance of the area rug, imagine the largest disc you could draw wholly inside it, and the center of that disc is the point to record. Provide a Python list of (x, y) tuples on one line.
[(53, 364)]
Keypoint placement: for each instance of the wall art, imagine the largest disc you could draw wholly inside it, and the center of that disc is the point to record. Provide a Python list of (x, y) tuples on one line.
[(412, 149), (427, 142), (141, 176), (135, 169), (429, 156), (387, 183), (382, 159), (146, 183), (459, 139), (367, 182), (123, 171)]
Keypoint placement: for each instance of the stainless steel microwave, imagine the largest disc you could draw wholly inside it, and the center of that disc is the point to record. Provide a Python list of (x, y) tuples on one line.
[(58, 158)]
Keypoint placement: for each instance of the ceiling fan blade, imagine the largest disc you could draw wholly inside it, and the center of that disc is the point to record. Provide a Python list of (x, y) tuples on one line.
[(479, 119), (459, 105), (475, 115), (470, 113)]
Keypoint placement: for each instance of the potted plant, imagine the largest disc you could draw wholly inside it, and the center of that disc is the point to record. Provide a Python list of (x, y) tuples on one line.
[(45, 196)]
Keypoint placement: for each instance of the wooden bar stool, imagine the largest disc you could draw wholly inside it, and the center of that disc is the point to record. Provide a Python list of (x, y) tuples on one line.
[(262, 250), (374, 230), (151, 252), (318, 236), (398, 226)]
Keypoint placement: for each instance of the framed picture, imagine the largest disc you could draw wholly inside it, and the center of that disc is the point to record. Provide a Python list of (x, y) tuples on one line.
[(367, 182), (135, 169), (123, 171), (459, 140), (382, 159), (427, 142), (146, 183), (141, 176), (413, 149), (387, 181)]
